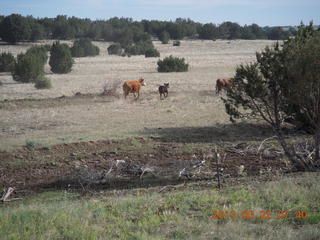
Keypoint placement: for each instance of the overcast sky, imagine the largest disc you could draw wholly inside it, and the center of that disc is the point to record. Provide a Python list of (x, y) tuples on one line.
[(261, 12)]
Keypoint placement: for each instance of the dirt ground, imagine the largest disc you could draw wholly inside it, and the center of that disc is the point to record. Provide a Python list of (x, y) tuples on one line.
[(87, 164)]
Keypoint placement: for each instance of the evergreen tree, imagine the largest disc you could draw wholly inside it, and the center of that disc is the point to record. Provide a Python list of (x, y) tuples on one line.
[(15, 28), (60, 58), (283, 83), (164, 37)]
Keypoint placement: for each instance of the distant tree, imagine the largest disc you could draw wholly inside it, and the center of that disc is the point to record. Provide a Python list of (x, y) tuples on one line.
[(208, 31), (258, 32), (48, 26), (247, 33), (62, 29), (123, 36), (153, 27), (14, 28), (37, 31), (277, 33), (99, 30), (229, 30), (83, 48), (60, 58), (80, 26), (176, 31), (164, 37)]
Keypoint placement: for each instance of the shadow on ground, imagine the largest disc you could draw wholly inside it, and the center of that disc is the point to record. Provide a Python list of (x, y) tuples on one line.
[(220, 132)]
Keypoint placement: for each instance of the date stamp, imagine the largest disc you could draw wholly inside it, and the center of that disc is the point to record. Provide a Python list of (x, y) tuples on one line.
[(263, 215)]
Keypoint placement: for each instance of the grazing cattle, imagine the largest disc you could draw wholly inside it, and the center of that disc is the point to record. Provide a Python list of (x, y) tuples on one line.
[(133, 86), (223, 84), (163, 90)]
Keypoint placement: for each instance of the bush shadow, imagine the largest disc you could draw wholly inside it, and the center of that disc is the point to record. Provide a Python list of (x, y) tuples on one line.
[(220, 132)]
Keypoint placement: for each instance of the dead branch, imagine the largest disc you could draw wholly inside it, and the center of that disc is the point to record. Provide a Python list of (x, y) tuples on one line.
[(264, 142), (147, 170), (7, 194)]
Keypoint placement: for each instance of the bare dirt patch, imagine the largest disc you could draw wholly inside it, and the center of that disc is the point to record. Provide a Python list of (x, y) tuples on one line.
[(63, 166)]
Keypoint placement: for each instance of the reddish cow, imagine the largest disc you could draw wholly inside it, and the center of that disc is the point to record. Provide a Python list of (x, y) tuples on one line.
[(133, 86), (223, 84)]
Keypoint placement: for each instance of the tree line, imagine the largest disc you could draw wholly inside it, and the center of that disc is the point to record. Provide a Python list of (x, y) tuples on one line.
[(15, 28)]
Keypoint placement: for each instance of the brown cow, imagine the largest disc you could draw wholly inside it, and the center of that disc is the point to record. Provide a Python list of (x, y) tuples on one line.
[(223, 84), (133, 86)]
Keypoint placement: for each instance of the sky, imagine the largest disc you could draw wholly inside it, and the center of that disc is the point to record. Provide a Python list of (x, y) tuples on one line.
[(261, 12)]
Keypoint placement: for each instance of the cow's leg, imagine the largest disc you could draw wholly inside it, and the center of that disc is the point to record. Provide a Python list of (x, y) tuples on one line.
[(218, 89)]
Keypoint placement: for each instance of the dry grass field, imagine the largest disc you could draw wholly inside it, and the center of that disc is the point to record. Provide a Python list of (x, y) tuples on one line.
[(191, 104)]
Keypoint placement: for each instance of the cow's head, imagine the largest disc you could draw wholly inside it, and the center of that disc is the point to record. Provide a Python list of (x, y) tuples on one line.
[(142, 82)]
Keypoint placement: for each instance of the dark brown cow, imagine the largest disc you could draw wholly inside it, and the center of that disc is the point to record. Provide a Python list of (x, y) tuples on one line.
[(133, 86), (223, 84), (163, 90)]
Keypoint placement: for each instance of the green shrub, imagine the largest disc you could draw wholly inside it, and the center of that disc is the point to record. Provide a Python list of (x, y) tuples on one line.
[(40, 51), (60, 60), (172, 64), (176, 43), (7, 62), (152, 52), (164, 37), (42, 83), (139, 48), (28, 68), (115, 49), (83, 48)]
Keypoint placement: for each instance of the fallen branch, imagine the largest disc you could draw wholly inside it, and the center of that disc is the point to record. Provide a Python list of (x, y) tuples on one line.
[(264, 142), (147, 170), (7, 194)]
